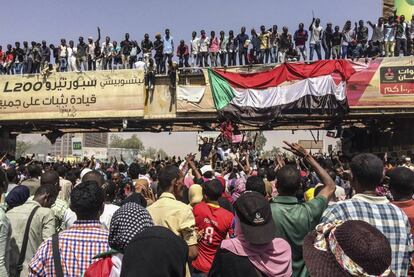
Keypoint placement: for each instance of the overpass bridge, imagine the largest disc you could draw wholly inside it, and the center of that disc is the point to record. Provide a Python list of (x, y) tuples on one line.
[(379, 94)]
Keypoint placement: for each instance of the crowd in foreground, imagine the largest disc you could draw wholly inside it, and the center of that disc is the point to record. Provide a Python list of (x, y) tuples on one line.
[(391, 36), (231, 213)]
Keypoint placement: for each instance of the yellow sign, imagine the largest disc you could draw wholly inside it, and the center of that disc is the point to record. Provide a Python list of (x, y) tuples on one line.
[(404, 7), (98, 94)]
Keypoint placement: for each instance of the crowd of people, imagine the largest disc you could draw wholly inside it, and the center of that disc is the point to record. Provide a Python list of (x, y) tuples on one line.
[(391, 36), (230, 212)]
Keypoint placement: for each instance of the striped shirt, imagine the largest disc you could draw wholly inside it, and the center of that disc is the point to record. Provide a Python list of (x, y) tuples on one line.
[(383, 215), (77, 246)]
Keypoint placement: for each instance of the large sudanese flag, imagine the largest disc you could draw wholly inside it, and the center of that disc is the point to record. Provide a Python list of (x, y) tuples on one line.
[(291, 88)]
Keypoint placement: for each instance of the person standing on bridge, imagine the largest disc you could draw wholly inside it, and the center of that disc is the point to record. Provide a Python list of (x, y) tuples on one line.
[(81, 55), (315, 40), (63, 56), (168, 48), (125, 51), (203, 43), (72, 51), (159, 50), (146, 47), (183, 54), (223, 48), (241, 39), (264, 38), (231, 49), (195, 58), (107, 54), (301, 37), (213, 48)]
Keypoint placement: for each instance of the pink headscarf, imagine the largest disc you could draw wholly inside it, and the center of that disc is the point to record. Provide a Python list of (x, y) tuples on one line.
[(272, 259)]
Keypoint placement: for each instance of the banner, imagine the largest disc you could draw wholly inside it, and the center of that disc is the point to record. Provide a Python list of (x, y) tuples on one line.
[(403, 7), (387, 82), (77, 146), (97, 94)]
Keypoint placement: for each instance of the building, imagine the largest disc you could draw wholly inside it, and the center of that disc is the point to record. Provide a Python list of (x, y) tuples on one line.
[(63, 146), (95, 140)]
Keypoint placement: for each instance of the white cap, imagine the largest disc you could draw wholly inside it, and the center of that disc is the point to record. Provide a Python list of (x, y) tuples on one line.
[(205, 169), (84, 171)]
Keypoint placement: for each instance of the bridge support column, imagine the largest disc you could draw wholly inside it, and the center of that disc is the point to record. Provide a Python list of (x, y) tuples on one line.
[(7, 142)]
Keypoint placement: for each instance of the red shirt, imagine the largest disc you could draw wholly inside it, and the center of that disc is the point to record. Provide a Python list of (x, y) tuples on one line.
[(216, 223), (408, 208)]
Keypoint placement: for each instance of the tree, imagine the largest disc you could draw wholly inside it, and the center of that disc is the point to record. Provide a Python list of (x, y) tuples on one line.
[(133, 143), (22, 147), (161, 154), (150, 153), (272, 153), (130, 143), (260, 140), (116, 141)]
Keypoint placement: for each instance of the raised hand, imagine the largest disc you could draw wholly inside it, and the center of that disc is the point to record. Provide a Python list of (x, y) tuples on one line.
[(296, 149)]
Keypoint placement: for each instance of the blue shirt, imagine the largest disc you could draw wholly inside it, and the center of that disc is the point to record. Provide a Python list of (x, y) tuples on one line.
[(168, 45), (241, 39)]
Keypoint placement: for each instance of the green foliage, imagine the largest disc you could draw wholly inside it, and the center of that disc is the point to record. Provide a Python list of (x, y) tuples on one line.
[(260, 140), (130, 143), (161, 154), (22, 147), (272, 153), (150, 153)]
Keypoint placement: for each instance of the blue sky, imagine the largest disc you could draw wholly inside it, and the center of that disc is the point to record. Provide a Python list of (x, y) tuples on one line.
[(52, 20)]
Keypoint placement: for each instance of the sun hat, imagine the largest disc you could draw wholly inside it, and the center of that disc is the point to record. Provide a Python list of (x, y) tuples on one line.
[(350, 248)]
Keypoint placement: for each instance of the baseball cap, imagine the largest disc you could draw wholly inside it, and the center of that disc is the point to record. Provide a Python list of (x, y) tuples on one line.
[(255, 215), (205, 169)]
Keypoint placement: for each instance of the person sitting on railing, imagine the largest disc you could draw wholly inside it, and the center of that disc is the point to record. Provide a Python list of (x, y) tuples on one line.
[(285, 41), (183, 54), (361, 38), (291, 54), (146, 47)]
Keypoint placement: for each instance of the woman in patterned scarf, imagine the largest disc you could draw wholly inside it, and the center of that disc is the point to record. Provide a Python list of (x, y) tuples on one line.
[(128, 221)]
